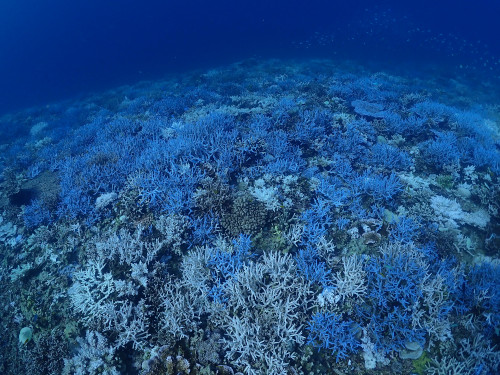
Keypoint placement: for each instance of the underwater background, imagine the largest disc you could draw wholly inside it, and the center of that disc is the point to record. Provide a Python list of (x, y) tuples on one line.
[(54, 49), (266, 187)]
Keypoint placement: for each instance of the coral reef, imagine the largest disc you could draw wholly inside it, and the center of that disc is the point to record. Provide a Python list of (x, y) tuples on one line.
[(269, 218)]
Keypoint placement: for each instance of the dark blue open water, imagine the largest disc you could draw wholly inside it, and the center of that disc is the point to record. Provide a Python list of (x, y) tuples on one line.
[(56, 49)]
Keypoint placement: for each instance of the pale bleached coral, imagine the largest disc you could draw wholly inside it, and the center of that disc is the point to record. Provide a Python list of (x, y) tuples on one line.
[(450, 214), (272, 304), (348, 283), (95, 355)]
